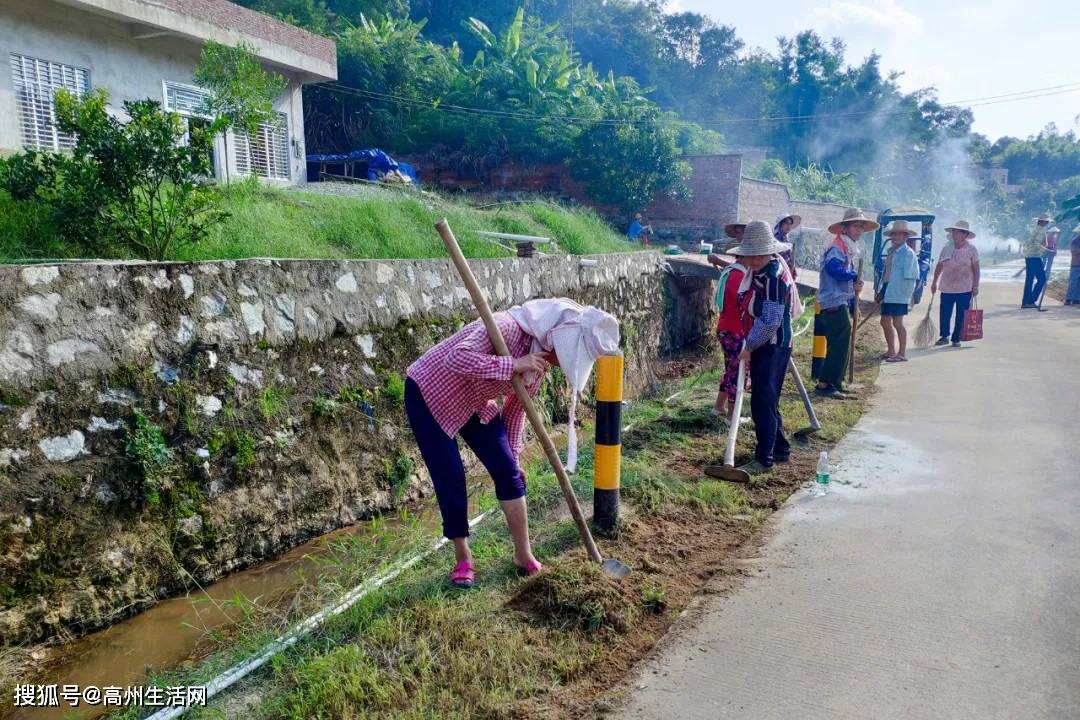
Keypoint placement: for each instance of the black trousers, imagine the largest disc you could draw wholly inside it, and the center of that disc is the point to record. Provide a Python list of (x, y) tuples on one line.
[(836, 326), (768, 367)]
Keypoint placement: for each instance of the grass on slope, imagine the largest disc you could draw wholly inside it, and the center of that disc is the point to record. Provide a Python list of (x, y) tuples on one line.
[(370, 222)]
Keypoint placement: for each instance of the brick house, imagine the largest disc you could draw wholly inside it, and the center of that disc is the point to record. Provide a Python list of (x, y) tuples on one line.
[(139, 49)]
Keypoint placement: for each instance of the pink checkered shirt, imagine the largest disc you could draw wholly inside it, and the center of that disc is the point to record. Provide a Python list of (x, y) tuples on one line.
[(462, 376)]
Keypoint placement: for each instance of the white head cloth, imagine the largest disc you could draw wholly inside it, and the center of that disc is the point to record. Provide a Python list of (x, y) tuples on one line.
[(578, 335)]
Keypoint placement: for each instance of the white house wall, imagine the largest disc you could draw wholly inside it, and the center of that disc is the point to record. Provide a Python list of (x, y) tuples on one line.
[(128, 68)]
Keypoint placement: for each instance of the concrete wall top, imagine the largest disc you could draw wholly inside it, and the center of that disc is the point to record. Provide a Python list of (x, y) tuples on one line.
[(81, 321), (277, 42)]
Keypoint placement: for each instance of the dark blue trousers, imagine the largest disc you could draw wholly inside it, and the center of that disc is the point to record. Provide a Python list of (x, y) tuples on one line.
[(443, 460), (1034, 280), (961, 303), (768, 367)]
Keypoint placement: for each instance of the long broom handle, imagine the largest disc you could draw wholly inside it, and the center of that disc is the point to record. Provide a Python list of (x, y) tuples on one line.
[(736, 413), (801, 387), (535, 420), (854, 330)]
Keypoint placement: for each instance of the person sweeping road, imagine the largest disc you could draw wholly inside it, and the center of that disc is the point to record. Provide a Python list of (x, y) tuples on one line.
[(452, 390), (770, 306), (840, 288), (958, 278), (898, 287), (1035, 252)]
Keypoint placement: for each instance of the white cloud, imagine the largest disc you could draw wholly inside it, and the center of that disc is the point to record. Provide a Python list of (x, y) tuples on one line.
[(844, 15)]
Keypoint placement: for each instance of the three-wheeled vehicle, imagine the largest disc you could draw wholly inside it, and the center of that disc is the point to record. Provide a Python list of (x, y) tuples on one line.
[(922, 244)]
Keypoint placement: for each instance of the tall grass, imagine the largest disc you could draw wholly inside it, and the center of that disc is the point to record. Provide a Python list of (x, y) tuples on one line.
[(305, 223), (384, 224)]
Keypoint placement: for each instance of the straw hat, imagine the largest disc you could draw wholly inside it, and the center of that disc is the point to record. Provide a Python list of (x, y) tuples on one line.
[(758, 240), (854, 215), (796, 220), (730, 228), (1054, 231), (962, 226), (897, 227), (1045, 217)]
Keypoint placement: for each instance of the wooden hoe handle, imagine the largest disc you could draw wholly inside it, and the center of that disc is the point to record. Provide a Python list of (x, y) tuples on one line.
[(535, 420)]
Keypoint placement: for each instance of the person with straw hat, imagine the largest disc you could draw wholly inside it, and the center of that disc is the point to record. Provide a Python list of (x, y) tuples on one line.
[(1072, 295), (771, 304), (1035, 250), (898, 287), (958, 279), (734, 231), (840, 286), (783, 227)]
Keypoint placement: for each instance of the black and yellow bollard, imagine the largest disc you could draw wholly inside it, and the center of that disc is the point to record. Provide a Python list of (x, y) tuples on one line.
[(608, 466), (820, 344)]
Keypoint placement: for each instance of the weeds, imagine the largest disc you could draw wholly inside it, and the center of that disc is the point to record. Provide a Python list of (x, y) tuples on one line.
[(241, 441), (394, 390), (146, 446), (244, 444), (652, 599), (324, 407), (272, 402), (12, 399), (398, 472)]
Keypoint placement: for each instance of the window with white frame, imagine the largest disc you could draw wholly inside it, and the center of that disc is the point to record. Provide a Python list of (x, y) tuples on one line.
[(35, 83), (266, 153), (190, 103), (186, 100)]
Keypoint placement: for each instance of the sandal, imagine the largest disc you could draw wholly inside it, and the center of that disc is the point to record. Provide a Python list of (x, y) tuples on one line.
[(887, 357), (530, 568), (463, 575), (896, 358)]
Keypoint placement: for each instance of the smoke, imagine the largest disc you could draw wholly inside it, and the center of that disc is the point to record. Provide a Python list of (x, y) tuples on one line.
[(896, 172)]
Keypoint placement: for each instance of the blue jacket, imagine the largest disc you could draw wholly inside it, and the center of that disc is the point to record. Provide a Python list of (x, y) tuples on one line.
[(836, 279), (903, 277)]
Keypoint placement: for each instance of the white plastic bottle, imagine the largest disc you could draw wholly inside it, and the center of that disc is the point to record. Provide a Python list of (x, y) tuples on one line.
[(823, 473)]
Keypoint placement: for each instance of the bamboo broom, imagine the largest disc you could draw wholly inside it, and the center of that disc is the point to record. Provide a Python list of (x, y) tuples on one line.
[(927, 330)]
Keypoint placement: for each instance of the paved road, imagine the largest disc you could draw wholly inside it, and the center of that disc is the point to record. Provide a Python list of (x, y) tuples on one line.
[(941, 576)]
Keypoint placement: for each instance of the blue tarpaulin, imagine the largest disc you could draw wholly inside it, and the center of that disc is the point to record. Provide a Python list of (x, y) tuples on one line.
[(378, 162)]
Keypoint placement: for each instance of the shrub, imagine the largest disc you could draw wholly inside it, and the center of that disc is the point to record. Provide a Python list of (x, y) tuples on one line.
[(128, 188)]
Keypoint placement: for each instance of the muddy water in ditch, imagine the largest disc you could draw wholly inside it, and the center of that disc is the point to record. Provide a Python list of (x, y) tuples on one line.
[(174, 632)]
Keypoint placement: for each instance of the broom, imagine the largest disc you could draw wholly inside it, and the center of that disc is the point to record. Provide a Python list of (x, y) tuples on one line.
[(927, 330)]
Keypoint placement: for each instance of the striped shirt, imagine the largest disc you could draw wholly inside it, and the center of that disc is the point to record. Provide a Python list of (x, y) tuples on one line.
[(462, 376), (770, 308)]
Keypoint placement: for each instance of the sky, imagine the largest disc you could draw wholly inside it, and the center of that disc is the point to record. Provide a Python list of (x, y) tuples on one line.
[(968, 49)]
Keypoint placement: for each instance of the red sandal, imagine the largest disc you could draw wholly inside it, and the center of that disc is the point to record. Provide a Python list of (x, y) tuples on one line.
[(463, 575), (530, 568)]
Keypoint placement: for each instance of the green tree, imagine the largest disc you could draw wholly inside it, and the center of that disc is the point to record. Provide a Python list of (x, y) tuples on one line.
[(150, 171), (242, 94), (628, 163)]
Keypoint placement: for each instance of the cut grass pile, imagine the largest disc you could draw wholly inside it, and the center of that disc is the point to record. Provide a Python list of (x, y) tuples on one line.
[(552, 645), (362, 222)]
